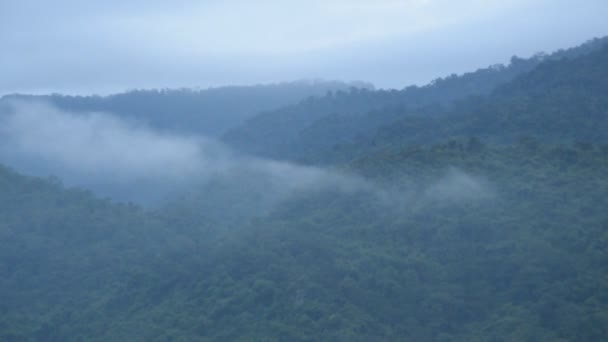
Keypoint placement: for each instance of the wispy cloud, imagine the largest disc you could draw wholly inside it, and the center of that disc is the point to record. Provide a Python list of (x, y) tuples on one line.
[(130, 161), (105, 152)]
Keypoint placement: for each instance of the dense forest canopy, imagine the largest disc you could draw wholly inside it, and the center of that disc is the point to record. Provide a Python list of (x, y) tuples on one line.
[(470, 209)]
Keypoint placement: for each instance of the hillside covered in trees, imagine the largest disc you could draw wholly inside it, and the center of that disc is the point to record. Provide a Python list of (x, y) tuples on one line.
[(471, 209), (304, 131), (210, 112)]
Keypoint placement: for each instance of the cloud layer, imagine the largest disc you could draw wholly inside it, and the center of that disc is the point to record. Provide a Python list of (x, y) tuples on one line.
[(107, 153), (130, 161), (98, 144)]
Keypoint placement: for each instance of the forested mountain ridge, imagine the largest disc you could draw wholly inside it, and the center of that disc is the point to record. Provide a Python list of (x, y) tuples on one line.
[(561, 101), (208, 112), (482, 220), (300, 131), (66, 259), (484, 243)]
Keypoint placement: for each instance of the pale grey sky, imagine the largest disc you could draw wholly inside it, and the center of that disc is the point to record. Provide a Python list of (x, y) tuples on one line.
[(109, 46)]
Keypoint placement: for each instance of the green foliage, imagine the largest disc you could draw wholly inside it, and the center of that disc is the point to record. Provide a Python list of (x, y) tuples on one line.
[(526, 263)]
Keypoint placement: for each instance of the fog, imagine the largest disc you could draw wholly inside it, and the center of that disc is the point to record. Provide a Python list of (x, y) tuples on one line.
[(102, 47), (457, 185), (120, 158), (130, 161)]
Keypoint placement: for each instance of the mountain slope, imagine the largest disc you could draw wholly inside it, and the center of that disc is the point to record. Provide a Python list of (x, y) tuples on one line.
[(476, 242), (560, 101), (208, 112), (300, 132), (446, 226)]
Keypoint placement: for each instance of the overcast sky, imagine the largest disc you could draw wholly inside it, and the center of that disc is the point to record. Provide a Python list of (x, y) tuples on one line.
[(79, 46)]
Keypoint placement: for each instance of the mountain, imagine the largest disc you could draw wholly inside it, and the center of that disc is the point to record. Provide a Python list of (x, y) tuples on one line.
[(208, 112), (301, 132), (477, 219), (560, 101), (475, 243)]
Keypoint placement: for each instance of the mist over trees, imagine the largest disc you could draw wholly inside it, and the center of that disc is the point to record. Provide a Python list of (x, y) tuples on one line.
[(470, 209), (208, 112)]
